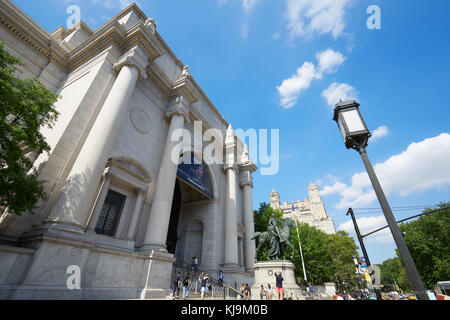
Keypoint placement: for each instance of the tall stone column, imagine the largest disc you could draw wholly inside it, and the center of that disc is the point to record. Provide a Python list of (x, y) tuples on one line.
[(71, 210), (230, 167), (158, 223), (246, 169)]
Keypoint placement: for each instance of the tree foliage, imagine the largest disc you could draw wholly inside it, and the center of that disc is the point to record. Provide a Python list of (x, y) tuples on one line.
[(25, 107), (428, 240), (328, 258), (393, 271), (343, 248)]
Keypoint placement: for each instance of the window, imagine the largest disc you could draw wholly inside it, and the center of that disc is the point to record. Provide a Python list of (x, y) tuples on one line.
[(110, 214)]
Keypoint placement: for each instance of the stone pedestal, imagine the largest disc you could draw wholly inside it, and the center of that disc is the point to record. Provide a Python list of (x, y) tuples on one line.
[(265, 274), (159, 271)]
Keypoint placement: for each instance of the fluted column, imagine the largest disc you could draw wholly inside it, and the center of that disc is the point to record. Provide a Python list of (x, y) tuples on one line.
[(230, 167), (73, 206), (158, 223), (246, 182)]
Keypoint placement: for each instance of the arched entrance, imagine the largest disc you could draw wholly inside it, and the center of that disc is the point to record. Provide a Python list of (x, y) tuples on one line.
[(172, 236), (192, 188)]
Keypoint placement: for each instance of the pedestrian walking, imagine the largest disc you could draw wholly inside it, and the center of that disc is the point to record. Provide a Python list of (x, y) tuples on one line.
[(261, 292), (204, 286), (279, 285), (200, 279), (195, 265), (220, 278), (177, 285), (186, 284)]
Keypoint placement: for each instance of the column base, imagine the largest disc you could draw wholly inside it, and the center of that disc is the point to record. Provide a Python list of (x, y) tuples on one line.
[(158, 277), (63, 225), (152, 293), (148, 248)]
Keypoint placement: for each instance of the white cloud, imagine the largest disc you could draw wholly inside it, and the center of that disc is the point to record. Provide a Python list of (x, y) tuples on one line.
[(368, 224), (291, 88), (329, 60), (339, 91), (422, 166), (249, 5), (309, 17), (379, 133)]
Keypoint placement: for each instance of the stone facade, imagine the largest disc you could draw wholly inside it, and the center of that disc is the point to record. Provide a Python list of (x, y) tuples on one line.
[(310, 211), (122, 93)]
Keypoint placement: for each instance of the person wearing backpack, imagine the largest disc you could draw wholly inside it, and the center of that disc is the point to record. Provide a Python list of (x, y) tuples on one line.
[(186, 284)]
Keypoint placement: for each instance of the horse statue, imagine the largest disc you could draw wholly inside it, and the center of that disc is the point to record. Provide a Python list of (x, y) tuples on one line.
[(277, 236)]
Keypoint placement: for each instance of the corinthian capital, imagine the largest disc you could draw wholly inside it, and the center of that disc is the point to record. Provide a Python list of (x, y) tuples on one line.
[(245, 178), (180, 106), (135, 57)]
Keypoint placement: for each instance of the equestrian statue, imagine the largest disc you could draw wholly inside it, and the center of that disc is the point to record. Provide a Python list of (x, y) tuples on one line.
[(277, 236)]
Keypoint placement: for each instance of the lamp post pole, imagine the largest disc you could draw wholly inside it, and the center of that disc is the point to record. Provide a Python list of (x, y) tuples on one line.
[(356, 135), (405, 255)]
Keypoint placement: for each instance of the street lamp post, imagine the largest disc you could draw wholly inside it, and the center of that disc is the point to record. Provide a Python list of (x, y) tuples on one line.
[(356, 135)]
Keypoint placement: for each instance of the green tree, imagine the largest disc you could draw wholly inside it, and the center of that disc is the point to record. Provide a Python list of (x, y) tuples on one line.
[(328, 258), (317, 255), (25, 107), (428, 240), (343, 248), (393, 270)]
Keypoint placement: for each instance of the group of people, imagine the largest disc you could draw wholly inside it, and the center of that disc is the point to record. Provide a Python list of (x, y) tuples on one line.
[(357, 295), (182, 283), (245, 292), (265, 292), (279, 291)]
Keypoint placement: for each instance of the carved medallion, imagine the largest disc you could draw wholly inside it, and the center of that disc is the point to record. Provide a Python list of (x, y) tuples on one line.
[(140, 120)]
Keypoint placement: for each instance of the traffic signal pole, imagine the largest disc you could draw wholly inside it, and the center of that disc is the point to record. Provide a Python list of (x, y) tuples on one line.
[(360, 239)]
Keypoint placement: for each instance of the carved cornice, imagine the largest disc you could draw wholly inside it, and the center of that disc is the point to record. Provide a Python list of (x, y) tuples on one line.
[(184, 87), (48, 45), (37, 41), (249, 166), (159, 79)]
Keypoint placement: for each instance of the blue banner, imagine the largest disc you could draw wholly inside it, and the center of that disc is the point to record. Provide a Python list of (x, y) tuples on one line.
[(196, 174)]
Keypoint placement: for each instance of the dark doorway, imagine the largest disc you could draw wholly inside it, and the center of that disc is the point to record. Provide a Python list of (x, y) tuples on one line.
[(172, 236)]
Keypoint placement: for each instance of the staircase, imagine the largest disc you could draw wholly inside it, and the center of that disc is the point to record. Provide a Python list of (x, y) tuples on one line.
[(218, 291)]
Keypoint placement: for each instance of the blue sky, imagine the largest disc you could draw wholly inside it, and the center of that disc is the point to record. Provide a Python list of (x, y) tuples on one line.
[(281, 64)]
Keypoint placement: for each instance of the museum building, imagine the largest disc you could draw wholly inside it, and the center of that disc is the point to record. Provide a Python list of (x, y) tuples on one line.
[(117, 206)]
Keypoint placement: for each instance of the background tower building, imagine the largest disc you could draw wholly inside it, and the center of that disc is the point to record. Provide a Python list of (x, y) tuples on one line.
[(311, 211), (274, 199)]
